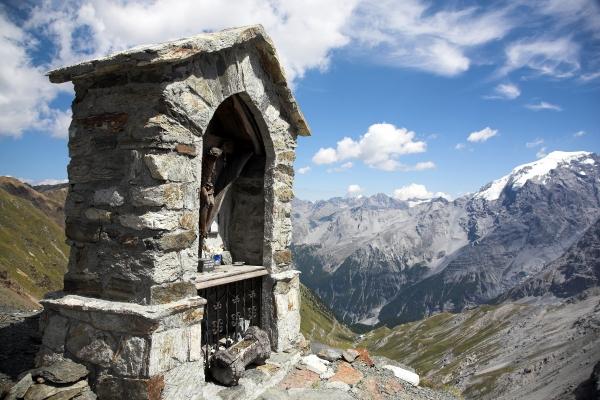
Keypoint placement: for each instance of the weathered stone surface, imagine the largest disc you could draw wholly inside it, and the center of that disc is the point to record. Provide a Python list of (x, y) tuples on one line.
[(363, 356), (345, 373), (54, 333), (110, 387), (61, 372), (108, 197), (129, 360), (86, 394), (173, 196), (186, 149), (66, 394), (330, 354), (97, 215), (299, 378), (176, 240), (169, 292), (404, 374), (20, 388), (91, 345), (168, 349), (44, 391), (282, 257), (350, 355), (170, 167), (163, 220), (315, 364)]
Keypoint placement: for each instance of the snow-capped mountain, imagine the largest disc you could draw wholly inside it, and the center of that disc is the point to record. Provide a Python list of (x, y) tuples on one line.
[(380, 260)]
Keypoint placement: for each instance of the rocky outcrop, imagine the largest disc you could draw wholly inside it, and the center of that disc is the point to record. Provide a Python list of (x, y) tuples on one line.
[(378, 261), (572, 273), (61, 380)]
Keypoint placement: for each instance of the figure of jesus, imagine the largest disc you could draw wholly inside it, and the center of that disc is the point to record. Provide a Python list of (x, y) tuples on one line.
[(207, 188)]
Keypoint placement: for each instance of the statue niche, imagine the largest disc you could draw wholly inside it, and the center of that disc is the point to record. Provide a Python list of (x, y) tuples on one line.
[(232, 184)]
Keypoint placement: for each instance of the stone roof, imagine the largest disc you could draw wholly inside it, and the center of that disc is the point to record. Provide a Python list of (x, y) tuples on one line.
[(178, 50)]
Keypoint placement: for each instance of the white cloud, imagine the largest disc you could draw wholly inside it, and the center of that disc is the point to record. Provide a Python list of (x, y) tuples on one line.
[(482, 135), (543, 105), (304, 32), (380, 147), (590, 76), (354, 191), (580, 134), (24, 91), (460, 146), (420, 166), (325, 156), (415, 191), (344, 167), (508, 91), (556, 57), (537, 142), (541, 153), (303, 170), (411, 33)]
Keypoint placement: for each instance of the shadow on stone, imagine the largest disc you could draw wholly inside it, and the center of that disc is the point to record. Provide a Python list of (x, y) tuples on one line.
[(19, 343)]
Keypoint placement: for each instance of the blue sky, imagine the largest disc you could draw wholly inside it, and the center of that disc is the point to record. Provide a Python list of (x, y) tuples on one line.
[(412, 98)]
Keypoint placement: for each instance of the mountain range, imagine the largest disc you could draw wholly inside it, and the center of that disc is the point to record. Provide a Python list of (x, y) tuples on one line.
[(381, 261)]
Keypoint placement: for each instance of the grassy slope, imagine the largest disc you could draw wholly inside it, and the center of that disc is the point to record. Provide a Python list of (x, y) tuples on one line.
[(33, 253), (441, 345), (318, 323)]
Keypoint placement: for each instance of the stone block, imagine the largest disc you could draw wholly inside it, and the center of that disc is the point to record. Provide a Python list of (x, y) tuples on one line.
[(108, 197), (97, 215), (282, 257), (176, 240), (91, 345), (158, 220), (186, 149), (168, 349), (166, 293), (55, 332), (111, 387), (129, 359), (170, 167), (171, 195), (80, 231)]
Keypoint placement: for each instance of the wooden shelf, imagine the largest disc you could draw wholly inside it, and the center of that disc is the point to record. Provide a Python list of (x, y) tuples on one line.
[(227, 274)]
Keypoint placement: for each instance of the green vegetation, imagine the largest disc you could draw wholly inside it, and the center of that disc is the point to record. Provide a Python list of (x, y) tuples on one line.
[(319, 324), (440, 344), (33, 253)]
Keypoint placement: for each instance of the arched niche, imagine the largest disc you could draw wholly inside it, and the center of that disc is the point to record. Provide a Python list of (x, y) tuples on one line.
[(241, 203)]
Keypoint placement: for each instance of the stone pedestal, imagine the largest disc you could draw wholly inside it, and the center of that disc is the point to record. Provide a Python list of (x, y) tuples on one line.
[(132, 350), (285, 326)]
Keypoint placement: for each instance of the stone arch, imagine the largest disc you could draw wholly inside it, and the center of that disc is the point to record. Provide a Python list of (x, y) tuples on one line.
[(242, 209)]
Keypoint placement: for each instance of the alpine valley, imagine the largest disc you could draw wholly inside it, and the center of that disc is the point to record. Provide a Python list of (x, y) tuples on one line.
[(494, 295), (381, 261)]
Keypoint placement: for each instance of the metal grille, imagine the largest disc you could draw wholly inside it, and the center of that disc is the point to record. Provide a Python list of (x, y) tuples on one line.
[(230, 309)]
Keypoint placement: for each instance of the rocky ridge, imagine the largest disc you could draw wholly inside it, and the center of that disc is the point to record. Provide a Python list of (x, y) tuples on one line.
[(377, 260)]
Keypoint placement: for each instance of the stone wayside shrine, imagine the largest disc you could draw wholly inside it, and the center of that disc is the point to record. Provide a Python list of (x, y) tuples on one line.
[(139, 308)]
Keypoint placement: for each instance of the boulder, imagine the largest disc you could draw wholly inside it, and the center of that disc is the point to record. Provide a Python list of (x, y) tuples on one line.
[(44, 391), (404, 374), (315, 364), (350, 355), (20, 388), (330, 354), (61, 372)]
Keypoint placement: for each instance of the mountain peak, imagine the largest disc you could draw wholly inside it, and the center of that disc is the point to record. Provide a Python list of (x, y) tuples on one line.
[(533, 171)]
